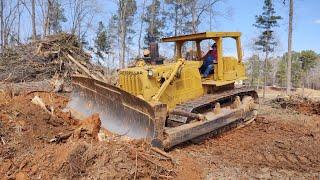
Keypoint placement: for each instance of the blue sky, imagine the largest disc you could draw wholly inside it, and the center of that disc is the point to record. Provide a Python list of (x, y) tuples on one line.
[(306, 23), (242, 17)]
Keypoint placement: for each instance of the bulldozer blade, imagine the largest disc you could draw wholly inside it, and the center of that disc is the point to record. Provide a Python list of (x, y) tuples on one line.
[(119, 111)]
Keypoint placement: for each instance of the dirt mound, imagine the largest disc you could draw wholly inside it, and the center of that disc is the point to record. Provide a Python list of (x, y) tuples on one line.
[(299, 104)]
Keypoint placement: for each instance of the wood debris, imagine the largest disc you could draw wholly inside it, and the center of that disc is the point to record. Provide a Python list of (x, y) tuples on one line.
[(60, 54), (298, 103)]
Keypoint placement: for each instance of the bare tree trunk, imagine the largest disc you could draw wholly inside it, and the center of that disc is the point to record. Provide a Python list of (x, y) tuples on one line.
[(123, 33), (193, 19), (2, 25), (210, 17), (258, 82), (46, 26), (265, 74), (153, 10), (33, 17), (141, 25), (289, 48), (123, 45), (194, 22), (175, 27), (303, 87), (19, 22), (252, 71)]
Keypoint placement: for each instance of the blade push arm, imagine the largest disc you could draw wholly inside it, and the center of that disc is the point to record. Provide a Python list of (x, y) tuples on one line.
[(166, 83)]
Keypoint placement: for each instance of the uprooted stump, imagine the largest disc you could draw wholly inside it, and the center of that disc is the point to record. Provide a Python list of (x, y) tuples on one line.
[(90, 126)]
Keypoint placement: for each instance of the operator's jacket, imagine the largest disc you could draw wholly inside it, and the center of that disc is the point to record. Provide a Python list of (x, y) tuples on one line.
[(209, 58)]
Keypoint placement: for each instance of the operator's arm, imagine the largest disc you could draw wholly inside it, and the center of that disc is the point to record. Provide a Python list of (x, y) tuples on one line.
[(206, 56)]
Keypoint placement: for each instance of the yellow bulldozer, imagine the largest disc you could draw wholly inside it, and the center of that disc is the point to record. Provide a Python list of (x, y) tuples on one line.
[(171, 103)]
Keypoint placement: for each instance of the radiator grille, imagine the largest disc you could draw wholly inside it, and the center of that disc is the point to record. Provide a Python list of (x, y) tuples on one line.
[(130, 82)]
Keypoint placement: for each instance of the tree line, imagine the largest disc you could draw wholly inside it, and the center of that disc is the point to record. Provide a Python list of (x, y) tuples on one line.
[(305, 70), (147, 19)]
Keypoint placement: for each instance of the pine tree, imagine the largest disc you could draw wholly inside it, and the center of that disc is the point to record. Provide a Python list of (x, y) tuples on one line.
[(178, 15), (125, 14), (56, 17), (155, 22), (112, 30), (253, 69), (308, 61), (266, 41), (289, 45), (101, 42), (296, 70)]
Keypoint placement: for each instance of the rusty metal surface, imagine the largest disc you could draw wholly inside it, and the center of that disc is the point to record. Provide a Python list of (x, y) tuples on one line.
[(208, 101), (216, 126), (120, 112)]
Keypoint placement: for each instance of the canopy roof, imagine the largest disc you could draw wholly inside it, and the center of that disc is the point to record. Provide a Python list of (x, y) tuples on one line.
[(201, 36)]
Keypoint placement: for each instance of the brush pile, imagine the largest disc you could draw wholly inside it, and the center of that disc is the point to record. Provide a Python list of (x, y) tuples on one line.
[(58, 55), (298, 103)]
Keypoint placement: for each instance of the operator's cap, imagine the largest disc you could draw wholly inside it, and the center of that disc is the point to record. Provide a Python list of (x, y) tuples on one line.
[(146, 52)]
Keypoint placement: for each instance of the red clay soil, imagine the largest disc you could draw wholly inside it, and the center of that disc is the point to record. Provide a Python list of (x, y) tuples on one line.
[(263, 149), (271, 147), (26, 131)]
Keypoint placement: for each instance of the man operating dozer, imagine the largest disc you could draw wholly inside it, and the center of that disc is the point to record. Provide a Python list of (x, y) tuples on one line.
[(208, 60)]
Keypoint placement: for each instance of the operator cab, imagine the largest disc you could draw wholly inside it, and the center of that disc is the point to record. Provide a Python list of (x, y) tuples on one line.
[(226, 69)]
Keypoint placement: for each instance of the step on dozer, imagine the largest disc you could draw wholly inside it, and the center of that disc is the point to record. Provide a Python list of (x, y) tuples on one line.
[(171, 103)]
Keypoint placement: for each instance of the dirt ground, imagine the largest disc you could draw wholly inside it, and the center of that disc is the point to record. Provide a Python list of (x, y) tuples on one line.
[(280, 144)]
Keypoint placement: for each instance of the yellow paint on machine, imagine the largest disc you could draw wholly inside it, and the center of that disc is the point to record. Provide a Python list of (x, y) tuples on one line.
[(180, 81)]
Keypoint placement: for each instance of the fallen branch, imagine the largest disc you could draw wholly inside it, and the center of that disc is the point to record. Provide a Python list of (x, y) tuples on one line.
[(153, 162), (84, 69), (3, 141), (159, 151), (38, 101), (60, 138), (26, 88), (166, 177)]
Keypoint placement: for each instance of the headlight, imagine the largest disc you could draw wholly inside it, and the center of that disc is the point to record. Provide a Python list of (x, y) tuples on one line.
[(150, 73)]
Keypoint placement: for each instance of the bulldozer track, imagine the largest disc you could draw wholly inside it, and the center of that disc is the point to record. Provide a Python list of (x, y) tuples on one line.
[(208, 101)]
